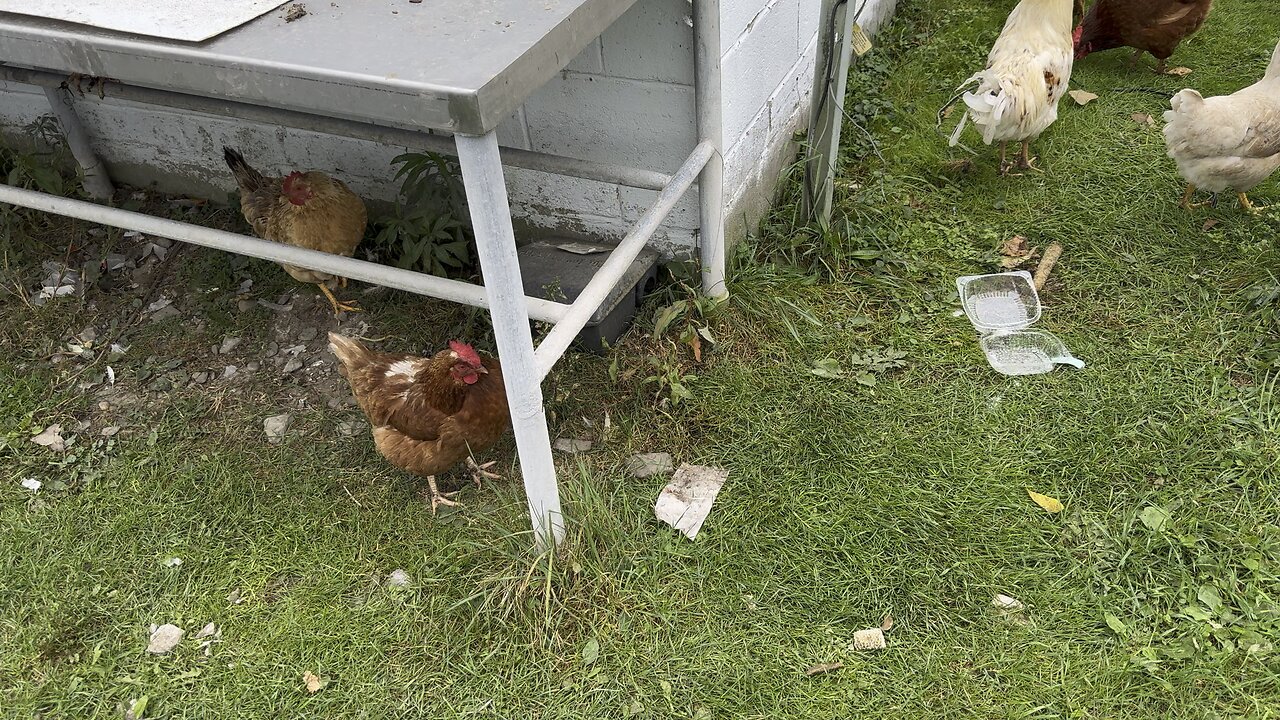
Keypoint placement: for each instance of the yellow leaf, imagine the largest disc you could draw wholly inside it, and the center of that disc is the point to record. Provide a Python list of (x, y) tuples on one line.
[(1178, 71), (1082, 97), (313, 681), (1049, 504)]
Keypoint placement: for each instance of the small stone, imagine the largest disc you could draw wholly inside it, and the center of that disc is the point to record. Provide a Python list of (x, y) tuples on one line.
[(573, 446), (228, 372), (293, 365), (349, 428), (165, 638), (872, 639), (308, 333), (252, 366), (228, 344), (643, 465), (207, 631), (110, 431), (165, 313), (245, 305), (104, 406), (398, 578), (276, 426), (172, 562), (200, 378), (271, 350)]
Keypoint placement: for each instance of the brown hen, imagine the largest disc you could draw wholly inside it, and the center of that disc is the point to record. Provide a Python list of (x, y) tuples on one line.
[(1154, 26), (307, 210), (428, 414)]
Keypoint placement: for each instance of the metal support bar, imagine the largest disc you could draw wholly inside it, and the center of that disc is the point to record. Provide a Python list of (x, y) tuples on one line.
[(396, 137), (443, 288), (615, 266), (496, 244), (96, 181), (706, 59)]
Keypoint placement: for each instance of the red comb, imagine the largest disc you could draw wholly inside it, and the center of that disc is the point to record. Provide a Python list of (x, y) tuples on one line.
[(465, 353), (290, 179)]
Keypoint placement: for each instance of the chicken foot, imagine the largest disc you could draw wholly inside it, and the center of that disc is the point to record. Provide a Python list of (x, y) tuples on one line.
[(480, 473), (1186, 203), (1005, 165), (338, 306), (438, 498), (1249, 206)]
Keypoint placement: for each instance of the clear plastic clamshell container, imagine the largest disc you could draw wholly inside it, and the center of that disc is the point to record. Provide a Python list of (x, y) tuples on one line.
[(1001, 307)]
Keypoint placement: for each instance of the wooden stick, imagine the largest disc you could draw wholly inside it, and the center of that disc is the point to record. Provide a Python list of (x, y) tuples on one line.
[(1051, 255)]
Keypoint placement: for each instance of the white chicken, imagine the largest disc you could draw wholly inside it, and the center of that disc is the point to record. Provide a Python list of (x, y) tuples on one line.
[(1016, 96), (1229, 141)]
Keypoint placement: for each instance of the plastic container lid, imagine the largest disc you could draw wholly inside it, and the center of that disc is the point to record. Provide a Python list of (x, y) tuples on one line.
[(1002, 306), (1003, 301)]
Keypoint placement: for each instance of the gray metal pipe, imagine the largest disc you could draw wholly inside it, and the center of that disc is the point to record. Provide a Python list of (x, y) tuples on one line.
[(443, 288), (707, 93), (606, 278), (515, 157), (96, 181)]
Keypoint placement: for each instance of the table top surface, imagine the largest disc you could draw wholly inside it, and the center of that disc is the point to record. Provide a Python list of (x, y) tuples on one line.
[(457, 65)]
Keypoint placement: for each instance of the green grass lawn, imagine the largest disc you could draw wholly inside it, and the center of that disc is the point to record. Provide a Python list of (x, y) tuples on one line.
[(1152, 595)]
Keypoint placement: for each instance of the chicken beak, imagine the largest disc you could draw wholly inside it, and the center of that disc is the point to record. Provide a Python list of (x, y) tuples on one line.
[(481, 369)]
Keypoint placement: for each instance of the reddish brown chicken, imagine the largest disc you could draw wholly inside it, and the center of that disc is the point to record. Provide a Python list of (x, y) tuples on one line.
[(307, 210), (428, 414), (1154, 26)]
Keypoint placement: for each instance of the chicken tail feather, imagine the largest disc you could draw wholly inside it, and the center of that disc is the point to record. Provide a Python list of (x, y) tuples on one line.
[(348, 350), (246, 177)]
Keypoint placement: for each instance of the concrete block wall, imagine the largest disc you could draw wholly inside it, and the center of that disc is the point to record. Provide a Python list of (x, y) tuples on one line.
[(627, 99)]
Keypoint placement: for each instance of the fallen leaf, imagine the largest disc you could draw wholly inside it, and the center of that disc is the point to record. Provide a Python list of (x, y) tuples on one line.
[(1144, 119), (886, 624), (590, 651), (1050, 505), (1115, 624), (51, 437), (823, 668), (1208, 225), (1179, 71), (1007, 603), (1208, 595), (1082, 97), (314, 682), (1015, 251), (207, 631), (1155, 518)]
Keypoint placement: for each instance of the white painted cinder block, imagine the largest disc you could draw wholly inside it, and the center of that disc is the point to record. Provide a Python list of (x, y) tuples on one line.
[(626, 99)]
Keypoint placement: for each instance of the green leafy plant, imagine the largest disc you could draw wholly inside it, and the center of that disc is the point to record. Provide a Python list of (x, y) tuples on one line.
[(864, 368), (426, 230)]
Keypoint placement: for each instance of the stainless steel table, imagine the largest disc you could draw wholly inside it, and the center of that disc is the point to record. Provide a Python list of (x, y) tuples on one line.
[(393, 71)]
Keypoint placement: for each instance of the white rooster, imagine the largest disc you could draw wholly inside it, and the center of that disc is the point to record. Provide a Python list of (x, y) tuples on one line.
[(1229, 141), (1016, 96)]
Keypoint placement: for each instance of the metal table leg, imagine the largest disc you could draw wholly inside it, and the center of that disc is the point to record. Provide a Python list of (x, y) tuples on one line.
[(495, 241)]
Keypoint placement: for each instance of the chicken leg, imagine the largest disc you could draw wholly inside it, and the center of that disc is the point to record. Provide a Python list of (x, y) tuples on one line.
[(338, 306), (1026, 162), (1005, 165), (438, 498), (1186, 203), (1249, 206), (479, 473)]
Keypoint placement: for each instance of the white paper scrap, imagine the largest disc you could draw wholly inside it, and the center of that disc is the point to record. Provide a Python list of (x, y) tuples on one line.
[(685, 502)]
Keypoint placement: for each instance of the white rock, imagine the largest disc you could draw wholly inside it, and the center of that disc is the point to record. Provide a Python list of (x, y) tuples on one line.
[(872, 639), (165, 638), (276, 426), (207, 631), (228, 344)]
